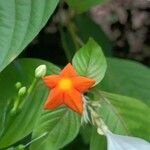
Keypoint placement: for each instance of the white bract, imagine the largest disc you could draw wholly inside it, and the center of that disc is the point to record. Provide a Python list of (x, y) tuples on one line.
[(120, 142)]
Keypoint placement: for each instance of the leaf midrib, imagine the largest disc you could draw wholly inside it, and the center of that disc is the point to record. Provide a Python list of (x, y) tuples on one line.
[(110, 105)]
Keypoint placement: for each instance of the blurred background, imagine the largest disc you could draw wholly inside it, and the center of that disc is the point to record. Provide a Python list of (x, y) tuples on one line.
[(123, 29)]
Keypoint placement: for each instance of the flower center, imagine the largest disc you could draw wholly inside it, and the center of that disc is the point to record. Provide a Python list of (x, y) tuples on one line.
[(65, 84)]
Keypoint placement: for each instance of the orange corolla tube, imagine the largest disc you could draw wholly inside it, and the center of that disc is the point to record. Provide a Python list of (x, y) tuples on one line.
[(67, 88)]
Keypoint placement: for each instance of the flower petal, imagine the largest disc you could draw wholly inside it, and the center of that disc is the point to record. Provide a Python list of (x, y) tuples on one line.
[(120, 142), (73, 99), (54, 99), (51, 81), (68, 71), (82, 84)]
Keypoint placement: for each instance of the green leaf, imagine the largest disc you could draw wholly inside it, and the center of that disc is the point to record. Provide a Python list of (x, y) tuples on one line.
[(127, 78), (125, 115), (90, 62), (20, 22), (85, 132), (21, 124), (98, 142), (81, 6), (60, 125)]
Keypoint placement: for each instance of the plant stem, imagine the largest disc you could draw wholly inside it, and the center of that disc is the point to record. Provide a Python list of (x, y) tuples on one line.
[(33, 84), (75, 38), (16, 104)]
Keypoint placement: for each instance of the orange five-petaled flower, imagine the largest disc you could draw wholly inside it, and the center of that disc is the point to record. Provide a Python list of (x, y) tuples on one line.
[(67, 88)]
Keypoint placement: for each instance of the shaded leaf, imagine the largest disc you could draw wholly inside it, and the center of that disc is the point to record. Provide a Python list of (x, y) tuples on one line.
[(128, 78), (81, 6)]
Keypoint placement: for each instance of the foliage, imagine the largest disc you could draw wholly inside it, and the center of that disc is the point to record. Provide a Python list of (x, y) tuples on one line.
[(118, 102), (20, 23)]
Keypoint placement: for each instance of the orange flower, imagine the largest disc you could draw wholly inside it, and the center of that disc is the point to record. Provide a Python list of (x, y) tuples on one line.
[(67, 88)]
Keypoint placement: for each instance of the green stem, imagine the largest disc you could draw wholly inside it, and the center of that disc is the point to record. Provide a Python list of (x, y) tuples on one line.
[(71, 29), (33, 84), (4, 117), (34, 140), (18, 99), (16, 104), (75, 38), (30, 89), (68, 53)]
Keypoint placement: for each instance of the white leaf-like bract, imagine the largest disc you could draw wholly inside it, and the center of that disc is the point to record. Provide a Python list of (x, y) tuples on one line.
[(120, 142)]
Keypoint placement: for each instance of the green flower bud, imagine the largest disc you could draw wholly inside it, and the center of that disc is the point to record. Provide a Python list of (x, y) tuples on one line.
[(18, 85), (22, 91), (20, 147), (40, 71)]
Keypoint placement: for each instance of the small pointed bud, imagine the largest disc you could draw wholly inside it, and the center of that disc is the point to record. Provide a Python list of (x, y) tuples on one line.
[(22, 91), (18, 85), (40, 71), (96, 104), (105, 128), (20, 147), (100, 131)]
